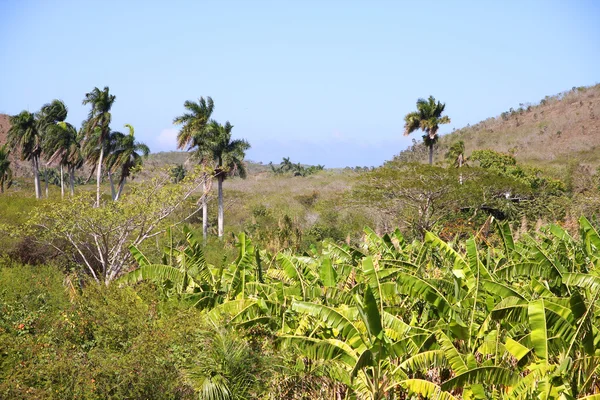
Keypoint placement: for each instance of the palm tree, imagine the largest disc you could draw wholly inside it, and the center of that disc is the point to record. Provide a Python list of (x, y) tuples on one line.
[(97, 128), (63, 143), (428, 117), (24, 135), (177, 173), (127, 154), (5, 171), (456, 156), (192, 137), (49, 115), (227, 155), (91, 151)]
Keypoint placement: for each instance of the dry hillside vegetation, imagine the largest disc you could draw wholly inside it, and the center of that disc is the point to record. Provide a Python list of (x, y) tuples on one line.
[(557, 130)]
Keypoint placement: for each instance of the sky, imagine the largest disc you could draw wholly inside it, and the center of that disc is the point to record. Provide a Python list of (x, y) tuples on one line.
[(321, 81)]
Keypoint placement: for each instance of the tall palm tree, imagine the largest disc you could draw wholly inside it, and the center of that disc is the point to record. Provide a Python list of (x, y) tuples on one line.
[(192, 136), (5, 170), (91, 150), (24, 135), (456, 156), (427, 118), (63, 143), (49, 115), (97, 126), (126, 155), (228, 156)]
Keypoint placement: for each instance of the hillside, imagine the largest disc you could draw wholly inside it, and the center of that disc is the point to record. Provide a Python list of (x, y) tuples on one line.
[(557, 130)]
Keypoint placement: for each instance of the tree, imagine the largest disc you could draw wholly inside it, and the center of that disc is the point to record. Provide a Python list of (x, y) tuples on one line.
[(177, 173), (91, 149), (228, 156), (456, 156), (63, 143), (98, 238), (49, 115), (5, 170), (427, 118), (97, 126), (192, 137), (24, 135), (126, 155)]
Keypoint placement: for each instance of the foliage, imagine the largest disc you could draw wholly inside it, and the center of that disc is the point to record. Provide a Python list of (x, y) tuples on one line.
[(391, 317), (288, 167), (456, 155), (98, 237), (420, 195), (506, 165), (388, 319), (177, 173), (110, 343), (126, 155)]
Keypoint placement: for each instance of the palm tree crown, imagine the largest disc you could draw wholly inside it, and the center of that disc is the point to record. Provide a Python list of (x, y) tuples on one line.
[(50, 114), (63, 143), (194, 122), (99, 115), (25, 135), (427, 118), (126, 154), (227, 154)]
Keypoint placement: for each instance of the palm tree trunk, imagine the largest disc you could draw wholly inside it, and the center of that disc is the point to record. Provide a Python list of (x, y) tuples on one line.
[(220, 216), (36, 178), (99, 175), (431, 154), (121, 186), (72, 178), (205, 209), (46, 179), (112, 186), (62, 183)]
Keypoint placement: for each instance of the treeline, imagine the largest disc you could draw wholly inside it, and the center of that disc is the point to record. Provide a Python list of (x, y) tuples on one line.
[(45, 137)]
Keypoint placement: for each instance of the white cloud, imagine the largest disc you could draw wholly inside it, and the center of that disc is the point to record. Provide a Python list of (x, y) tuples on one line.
[(166, 140)]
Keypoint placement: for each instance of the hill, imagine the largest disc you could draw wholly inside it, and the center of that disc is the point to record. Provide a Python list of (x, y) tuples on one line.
[(549, 134)]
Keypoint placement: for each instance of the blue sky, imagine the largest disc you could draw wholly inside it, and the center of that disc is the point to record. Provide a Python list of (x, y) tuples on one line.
[(324, 82)]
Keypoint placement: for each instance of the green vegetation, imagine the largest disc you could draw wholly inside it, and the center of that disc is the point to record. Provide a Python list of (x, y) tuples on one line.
[(387, 319), (288, 167), (480, 279)]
